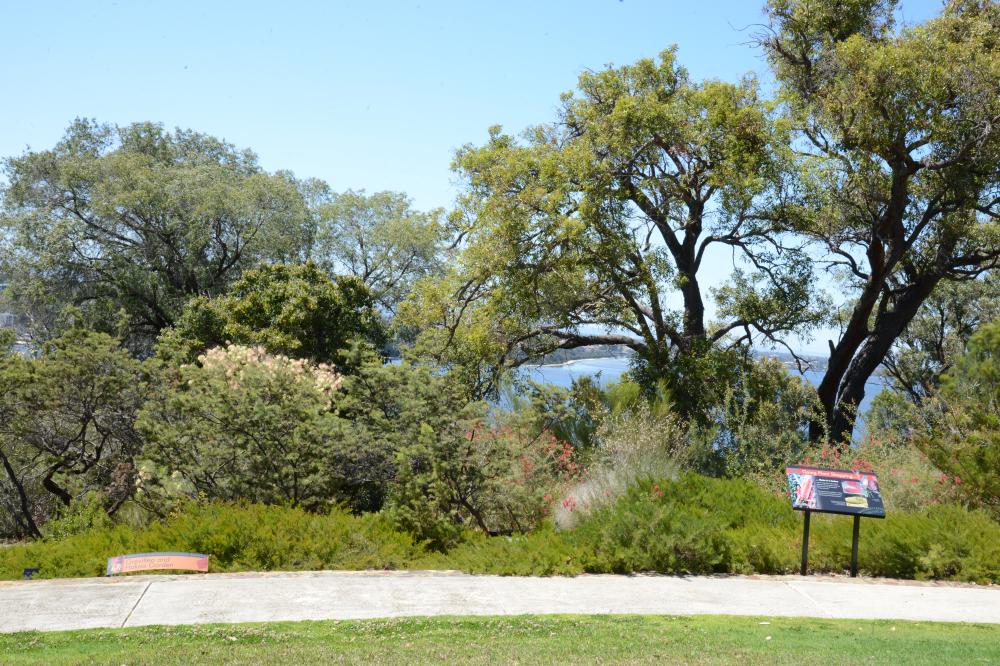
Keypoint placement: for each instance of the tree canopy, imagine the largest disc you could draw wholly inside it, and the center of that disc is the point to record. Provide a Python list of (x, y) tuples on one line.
[(295, 310), (592, 221), (898, 141), (381, 240), (135, 220), (67, 426)]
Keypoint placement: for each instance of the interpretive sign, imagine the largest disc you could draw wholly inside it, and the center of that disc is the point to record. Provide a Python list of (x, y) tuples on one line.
[(156, 561), (847, 492), (835, 491)]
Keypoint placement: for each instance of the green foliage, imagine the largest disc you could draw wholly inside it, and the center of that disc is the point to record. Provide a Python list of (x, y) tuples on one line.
[(631, 444), (760, 424), (237, 538), (81, 516), (67, 426), (385, 409), (692, 524), (909, 481), (964, 436), (700, 525), (136, 219), (571, 414), (541, 552), (293, 310), (499, 479), (8, 336), (244, 424), (380, 240), (898, 152), (694, 384), (977, 374), (938, 335), (943, 542), (596, 218)]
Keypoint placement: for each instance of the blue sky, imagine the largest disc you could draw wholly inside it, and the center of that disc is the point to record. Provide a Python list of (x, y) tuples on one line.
[(373, 95)]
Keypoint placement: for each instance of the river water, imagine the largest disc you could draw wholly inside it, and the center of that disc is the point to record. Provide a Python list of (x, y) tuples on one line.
[(610, 369)]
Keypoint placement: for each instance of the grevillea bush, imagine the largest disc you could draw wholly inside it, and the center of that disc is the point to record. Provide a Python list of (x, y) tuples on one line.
[(700, 525), (689, 525), (495, 479), (237, 537)]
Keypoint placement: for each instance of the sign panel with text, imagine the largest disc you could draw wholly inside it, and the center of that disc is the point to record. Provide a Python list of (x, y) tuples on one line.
[(157, 561), (835, 491)]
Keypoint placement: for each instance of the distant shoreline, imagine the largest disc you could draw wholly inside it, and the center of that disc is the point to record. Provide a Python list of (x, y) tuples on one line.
[(876, 379)]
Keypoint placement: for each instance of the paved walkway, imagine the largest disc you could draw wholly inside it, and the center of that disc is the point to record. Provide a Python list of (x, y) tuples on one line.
[(194, 599)]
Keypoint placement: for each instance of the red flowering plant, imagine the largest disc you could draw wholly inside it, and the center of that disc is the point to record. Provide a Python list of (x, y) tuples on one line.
[(533, 468), (633, 445), (907, 478), (499, 477)]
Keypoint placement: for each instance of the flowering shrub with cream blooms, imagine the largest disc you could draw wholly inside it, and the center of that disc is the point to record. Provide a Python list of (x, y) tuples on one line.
[(234, 362), (242, 424)]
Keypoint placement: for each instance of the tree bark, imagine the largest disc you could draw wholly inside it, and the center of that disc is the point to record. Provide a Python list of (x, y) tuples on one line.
[(27, 520), (841, 357), (888, 327)]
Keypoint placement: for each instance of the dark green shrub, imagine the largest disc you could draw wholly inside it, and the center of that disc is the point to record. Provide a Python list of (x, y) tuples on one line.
[(243, 424), (943, 542), (544, 552), (693, 525), (964, 441), (292, 310), (237, 538), (67, 429), (702, 525)]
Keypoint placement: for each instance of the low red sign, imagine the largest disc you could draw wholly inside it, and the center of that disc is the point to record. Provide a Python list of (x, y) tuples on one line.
[(157, 561)]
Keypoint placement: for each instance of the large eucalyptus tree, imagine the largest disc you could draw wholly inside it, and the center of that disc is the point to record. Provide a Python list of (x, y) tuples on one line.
[(898, 132), (595, 228)]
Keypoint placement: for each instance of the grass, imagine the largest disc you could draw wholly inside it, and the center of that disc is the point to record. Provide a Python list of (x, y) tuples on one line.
[(521, 639)]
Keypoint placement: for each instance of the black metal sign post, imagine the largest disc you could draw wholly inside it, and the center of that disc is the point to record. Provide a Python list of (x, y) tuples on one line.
[(805, 544), (847, 492), (854, 547)]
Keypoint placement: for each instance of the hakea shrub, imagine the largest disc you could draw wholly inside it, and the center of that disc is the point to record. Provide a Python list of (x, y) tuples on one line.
[(242, 424), (237, 362)]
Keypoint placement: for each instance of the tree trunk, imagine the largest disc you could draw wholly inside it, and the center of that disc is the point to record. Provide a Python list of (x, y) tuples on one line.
[(888, 327), (841, 357), (694, 310), (685, 257), (26, 519)]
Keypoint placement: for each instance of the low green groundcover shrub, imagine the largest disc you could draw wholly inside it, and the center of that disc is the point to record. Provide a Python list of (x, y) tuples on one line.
[(249, 537), (699, 525), (692, 525)]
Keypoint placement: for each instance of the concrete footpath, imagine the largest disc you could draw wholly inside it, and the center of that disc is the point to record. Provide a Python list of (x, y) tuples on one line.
[(194, 599)]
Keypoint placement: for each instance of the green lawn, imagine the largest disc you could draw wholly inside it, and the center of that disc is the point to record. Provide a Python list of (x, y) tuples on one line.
[(523, 640)]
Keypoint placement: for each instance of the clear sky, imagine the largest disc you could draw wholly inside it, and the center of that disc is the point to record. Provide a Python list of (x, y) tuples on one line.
[(374, 95)]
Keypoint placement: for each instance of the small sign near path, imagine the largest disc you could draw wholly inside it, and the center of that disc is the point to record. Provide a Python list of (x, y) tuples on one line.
[(157, 561)]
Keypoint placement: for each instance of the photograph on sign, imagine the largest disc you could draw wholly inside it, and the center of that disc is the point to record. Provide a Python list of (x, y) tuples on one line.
[(835, 491)]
